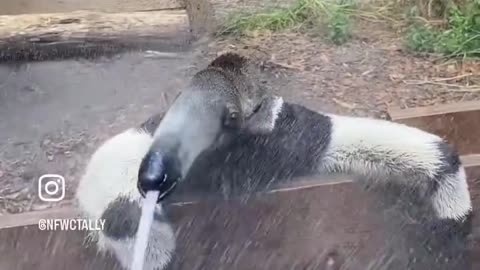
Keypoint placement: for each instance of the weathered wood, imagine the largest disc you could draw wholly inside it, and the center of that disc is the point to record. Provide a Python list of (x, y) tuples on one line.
[(67, 211), (456, 122), (281, 229), (83, 33), (54, 6), (29, 248), (291, 228), (472, 165)]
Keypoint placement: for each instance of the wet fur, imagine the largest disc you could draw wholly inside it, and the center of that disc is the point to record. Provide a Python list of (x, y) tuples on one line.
[(411, 168), (108, 190)]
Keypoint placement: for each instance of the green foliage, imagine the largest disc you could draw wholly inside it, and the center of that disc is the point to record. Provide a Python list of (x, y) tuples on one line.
[(422, 38), (461, 36), (339, 27), (272, 20), (304, 15)]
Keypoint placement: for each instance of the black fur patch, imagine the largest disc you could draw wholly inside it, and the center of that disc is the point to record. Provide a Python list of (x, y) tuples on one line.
[(151, 124), (294, 148), (229, 61), (450, 163), (450, 158), (122, 218)]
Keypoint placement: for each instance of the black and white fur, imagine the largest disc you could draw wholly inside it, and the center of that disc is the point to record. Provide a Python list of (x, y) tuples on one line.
[(108, 191), (295, 142), (425, 168)]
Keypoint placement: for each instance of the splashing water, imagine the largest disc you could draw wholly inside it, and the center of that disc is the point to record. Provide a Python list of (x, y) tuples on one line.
[(144, 227)]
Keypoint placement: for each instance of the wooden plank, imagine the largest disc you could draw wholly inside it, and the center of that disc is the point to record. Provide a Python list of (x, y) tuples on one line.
[(57, 6), (31, 218), (456, 122), (399, 114), (274, 225), (284, 230), (472, 164), (83, 33), (29, 248)]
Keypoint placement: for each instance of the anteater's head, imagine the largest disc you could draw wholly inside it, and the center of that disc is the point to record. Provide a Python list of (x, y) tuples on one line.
[(221, 101)]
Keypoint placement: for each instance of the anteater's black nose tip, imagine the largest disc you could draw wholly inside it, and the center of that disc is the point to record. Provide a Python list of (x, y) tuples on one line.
[(152, 172)]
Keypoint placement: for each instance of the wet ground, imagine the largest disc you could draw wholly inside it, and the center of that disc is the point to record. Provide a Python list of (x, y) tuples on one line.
[(53, 115)]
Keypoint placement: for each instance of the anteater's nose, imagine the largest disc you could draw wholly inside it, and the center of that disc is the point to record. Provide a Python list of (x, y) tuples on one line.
[(152, 173)]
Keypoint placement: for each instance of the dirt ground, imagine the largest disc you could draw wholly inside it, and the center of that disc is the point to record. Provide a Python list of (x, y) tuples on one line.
[(54, 114)]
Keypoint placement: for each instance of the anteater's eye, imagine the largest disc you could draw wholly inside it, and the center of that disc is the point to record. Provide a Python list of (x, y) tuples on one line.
[(233, 120), (234, 115), (257, 108)]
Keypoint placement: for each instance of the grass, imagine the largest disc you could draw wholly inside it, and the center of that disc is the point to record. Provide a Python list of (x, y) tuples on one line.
[(459, 37), (304, 15)]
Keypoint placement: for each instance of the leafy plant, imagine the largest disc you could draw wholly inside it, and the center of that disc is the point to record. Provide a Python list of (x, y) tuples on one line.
[(422, 38), (463, 35), (460, 37), (339, 27)]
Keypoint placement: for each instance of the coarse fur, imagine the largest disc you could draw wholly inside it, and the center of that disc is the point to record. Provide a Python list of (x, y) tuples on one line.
[(274, 144), (305, 142), (422, 166), (259, 163), (108, 191)]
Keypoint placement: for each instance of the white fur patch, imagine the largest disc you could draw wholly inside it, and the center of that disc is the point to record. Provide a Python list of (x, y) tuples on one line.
[(370, 147), (112, 172), (452, 199), (276, 110), (378, 149)]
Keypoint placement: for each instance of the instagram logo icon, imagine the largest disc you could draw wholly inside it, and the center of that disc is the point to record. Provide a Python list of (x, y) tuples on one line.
[(51, 187)]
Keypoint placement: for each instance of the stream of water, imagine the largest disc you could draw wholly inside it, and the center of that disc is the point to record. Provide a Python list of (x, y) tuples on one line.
[(144, 227)]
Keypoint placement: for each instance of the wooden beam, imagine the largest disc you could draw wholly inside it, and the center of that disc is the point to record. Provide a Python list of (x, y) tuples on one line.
[(295, 227), (68, 209), (54, 6), (83, 33), (456, 122)]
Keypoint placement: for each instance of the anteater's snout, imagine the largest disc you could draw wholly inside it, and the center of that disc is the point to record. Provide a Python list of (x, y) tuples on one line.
[(158, 172)]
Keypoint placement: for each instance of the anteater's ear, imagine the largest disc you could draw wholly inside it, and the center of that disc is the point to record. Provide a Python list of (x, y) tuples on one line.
[(151, 124), (229, 62), (264, 118)]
